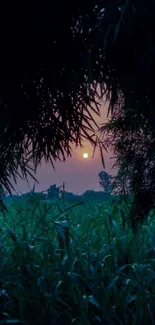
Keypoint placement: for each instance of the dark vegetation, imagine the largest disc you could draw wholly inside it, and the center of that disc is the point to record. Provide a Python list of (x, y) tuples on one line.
[(75, 262), (58, 60), (105, 181), (48, 87)]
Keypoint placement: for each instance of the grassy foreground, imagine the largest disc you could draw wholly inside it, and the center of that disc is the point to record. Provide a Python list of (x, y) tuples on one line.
[(75, 263)]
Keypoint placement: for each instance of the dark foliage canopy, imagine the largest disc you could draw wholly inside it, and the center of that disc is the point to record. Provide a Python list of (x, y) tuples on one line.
[(53, 56), (133, 144)]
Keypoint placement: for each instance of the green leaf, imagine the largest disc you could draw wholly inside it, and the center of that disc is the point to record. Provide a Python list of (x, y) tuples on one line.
[(93, 301)]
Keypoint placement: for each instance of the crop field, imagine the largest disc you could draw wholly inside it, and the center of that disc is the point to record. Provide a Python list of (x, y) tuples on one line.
[(75, 263)]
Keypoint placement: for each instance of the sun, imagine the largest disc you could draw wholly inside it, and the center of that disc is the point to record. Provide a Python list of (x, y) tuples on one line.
[(85, 155)]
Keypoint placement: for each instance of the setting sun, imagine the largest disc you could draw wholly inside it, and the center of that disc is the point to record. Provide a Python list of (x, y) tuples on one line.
[(85, 155)]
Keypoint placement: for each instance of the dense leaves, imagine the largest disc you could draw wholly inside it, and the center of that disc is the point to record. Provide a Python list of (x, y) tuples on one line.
[(53, 56), (44, 95), (133, 144), (75, 264)]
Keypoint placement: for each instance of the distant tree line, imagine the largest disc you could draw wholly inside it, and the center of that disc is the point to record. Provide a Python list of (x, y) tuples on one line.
[(54, 192)]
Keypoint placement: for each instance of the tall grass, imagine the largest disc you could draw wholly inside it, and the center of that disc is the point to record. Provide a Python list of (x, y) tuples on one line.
[(75, 264)]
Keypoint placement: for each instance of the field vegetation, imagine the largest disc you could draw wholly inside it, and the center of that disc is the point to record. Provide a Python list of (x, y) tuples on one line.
[(66, 262)]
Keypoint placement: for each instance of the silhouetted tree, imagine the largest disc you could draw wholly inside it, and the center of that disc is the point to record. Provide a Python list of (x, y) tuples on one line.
[(133, 142), (53, 192), (105, 181), (57, 59)]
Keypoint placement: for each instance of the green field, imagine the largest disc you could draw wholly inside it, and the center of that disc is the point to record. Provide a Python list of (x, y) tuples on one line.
[(75, 263)]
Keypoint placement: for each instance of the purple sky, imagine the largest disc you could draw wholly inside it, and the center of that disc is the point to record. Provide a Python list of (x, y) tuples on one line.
[(78, 174)]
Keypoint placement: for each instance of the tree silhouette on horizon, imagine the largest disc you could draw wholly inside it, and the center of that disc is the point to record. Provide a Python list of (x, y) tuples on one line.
[(105, 181)]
